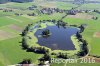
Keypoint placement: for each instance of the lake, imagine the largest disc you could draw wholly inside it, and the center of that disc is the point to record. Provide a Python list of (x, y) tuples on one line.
[(60, 38)]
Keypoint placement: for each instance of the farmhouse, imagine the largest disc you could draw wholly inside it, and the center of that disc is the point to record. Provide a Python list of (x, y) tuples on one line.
[(72, 12)]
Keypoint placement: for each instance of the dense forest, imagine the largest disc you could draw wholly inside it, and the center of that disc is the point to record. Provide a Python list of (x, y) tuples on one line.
[(20, 1)]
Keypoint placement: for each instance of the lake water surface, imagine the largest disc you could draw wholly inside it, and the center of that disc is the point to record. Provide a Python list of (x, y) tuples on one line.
[(60, 38)]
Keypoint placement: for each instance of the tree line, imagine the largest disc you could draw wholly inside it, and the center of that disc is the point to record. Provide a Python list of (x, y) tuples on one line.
[(84, 46)]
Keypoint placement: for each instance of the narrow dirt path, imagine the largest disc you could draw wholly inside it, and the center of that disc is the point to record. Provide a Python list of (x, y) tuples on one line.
[(71, 9), (15, 19)]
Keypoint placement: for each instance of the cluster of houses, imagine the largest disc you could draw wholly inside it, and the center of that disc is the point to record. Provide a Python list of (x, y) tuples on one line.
[(50, 11), (32, 7), (7, 10)]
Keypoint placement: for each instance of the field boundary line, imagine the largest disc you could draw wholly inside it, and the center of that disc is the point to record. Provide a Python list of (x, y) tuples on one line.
[(15, 19)]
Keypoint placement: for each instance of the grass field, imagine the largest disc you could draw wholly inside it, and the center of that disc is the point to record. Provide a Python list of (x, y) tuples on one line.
[(92, 27), (11, 26), (93, 6), (10, 48)]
